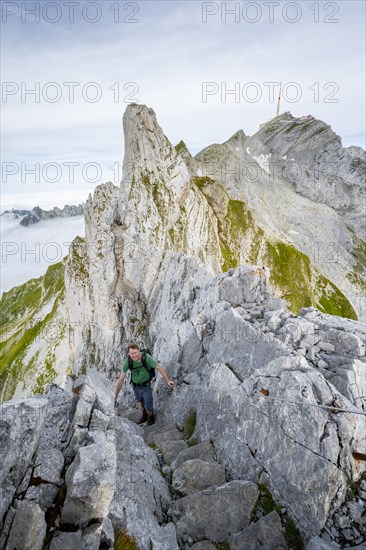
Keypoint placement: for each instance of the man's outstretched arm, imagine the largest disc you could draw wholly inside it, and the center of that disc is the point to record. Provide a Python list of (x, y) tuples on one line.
[(120, 384), (165, 376)]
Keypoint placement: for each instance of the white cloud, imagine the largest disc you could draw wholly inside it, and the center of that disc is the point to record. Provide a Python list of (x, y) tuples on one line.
[(27, 252)]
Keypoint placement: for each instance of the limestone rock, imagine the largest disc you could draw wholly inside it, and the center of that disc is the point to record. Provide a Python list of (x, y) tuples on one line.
[(90, 481), (196, 475), (98, 534), (349, 377), (71, 541), (50, 465), (316, 543), (20, 429), (99, 420), (203, 451), (203, 545), (215, 513), (141, 498), (266, 533), (171, 449), (44, 494), (84, 406), (28, 529)]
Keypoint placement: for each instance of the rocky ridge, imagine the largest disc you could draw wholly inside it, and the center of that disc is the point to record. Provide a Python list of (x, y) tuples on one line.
[(254, 424)]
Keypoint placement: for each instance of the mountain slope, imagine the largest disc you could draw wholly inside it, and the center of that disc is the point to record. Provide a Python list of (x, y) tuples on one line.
[(34, 343)]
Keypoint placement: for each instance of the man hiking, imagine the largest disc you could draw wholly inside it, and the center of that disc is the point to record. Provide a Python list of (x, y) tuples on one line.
[(140, 364)]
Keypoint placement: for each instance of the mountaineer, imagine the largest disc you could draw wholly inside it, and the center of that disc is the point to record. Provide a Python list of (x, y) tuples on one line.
[(142, 367)]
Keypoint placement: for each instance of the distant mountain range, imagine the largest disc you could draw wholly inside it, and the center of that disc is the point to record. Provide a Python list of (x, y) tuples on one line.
[(28, 217)]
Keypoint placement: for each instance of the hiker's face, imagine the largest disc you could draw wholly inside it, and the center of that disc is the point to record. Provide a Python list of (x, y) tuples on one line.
[(134, 354)]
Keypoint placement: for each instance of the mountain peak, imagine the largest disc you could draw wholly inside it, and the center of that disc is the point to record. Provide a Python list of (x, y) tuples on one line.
[(147, 149)]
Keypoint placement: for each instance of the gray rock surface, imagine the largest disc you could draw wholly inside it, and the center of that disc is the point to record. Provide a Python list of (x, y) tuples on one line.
[(98, 534), (316, 543), (114, 474), (203, 545), (214, 513), (71, 541), (51, 462), (28, 529), (90, 480), (203, 451), (20, 429), (197, 475), (171, 449), (141, 498), (45, 494), (266, 533)]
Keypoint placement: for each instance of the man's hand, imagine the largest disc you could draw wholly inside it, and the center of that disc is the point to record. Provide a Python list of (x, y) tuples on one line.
[(170, 383)]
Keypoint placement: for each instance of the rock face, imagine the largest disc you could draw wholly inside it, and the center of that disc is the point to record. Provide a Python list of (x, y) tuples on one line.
[(265, 429), (215, 513), (266, 533), (324, 172), (21, 424)]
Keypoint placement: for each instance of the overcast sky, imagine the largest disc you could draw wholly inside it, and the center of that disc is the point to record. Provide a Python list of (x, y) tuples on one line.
[(161, 54)]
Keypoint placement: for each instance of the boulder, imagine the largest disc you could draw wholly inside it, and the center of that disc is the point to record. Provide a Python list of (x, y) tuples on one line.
[(171, 449), (28, 529), (266, 533), (97, 535), (51, 462), (99, 420), (69, 541), (90, 480), (44, 494), (204, 451), (215, 513), (196, 475)]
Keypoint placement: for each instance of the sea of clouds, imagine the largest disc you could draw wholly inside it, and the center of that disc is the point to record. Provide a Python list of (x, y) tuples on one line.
[(26, 252)]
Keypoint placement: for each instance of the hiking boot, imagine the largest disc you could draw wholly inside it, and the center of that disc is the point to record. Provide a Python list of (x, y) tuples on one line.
[(151, 419), (143, 418)]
